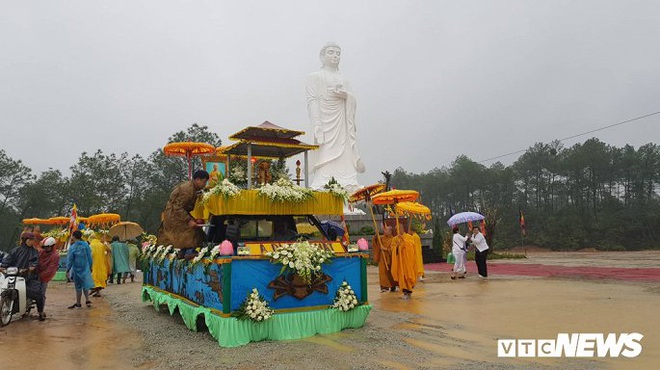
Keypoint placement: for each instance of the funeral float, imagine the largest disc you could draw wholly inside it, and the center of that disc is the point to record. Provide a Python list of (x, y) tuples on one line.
[(268, 270)]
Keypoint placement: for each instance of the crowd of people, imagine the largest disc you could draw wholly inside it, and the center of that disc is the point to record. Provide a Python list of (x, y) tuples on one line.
[(90, 266)]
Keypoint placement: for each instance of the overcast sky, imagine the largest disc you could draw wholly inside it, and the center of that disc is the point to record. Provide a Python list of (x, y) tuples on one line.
[(433, 79)]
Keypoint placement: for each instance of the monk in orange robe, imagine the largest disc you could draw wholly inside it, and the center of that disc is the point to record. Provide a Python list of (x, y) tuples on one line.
[(417, 241), (382, 255), (404, 262)]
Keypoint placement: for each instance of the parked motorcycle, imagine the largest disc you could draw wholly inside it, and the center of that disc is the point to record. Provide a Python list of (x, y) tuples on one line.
[(13, 295)]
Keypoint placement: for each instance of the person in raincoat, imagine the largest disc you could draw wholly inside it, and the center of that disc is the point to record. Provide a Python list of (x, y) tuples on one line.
[(133, 255), (100, 270), (404, 262), (26, 258), (79, 263), (178, 227), (120, 265)]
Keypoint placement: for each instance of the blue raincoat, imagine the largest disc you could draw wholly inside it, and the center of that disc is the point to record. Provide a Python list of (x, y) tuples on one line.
[(79, 261)]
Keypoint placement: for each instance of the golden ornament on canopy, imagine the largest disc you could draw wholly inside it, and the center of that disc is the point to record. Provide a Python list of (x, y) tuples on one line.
[(413, 209), (366, 193), (188, 150)]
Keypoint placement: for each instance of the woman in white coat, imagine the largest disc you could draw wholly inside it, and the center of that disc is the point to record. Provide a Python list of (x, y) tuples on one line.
[(458, 249)]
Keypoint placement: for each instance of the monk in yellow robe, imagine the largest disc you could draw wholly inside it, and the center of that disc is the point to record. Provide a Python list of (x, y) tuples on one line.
[(382, 254), (404, 262), (417, 241), (99, 264), (178, 227)]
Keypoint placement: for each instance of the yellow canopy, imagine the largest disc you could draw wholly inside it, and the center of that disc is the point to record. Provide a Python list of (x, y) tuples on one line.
[(249, 202)]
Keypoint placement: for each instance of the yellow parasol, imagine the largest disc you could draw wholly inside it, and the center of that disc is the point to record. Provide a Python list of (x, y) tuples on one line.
[(414, 209), (59, 220), (395, 196), (103, 219), (35, 221), (366, 193), (188, 150)]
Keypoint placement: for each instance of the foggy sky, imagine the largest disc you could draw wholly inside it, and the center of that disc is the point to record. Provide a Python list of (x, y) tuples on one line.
[(433, 79)]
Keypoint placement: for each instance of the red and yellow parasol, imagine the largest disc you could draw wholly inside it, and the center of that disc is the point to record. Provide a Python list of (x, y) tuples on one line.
[(188, 150)]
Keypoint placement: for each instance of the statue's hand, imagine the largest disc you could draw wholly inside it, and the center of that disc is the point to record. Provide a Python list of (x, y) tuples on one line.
[(359, 166), (337, 93), (318, 134)]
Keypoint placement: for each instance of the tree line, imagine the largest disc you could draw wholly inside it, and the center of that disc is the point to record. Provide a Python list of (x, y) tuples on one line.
[(589, 195)]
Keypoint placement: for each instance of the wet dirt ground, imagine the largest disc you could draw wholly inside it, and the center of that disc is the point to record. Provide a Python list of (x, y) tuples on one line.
[(447, 324)]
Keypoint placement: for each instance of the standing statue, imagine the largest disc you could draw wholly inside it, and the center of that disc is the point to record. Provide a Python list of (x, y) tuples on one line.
[(331, 107)]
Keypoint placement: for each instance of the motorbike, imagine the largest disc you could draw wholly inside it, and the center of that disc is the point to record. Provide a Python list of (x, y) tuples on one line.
[(13, 295)]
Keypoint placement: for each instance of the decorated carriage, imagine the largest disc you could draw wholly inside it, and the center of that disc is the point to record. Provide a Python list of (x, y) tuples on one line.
[(268, 271)]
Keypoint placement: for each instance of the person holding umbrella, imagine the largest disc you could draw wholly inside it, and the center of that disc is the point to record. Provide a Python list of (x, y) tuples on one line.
[(481, 251)]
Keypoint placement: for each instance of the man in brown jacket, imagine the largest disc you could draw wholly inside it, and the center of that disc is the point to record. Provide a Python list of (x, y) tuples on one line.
[(178, 227)]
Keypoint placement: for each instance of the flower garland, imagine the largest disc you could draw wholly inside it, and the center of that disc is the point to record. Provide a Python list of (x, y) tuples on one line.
[(254, 308), (345, 299), (224, 188), (199, 256), (303, 258), (283, 190), (334, 188)]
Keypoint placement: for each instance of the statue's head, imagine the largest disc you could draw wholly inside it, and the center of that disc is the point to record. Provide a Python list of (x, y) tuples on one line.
[(330, 54)]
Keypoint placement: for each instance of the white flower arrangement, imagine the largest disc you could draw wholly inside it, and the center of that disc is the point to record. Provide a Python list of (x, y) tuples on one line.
[(148, 250), (283, 190), (345, 299), (224, 188), (214, 252), (199, 256), (172, 256), (254, 308), (303, 258), (158, 251), (87, 233), (161, 257), (335, 188)]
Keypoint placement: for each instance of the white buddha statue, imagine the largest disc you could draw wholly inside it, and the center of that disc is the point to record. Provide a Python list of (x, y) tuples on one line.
[(331, 107)]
